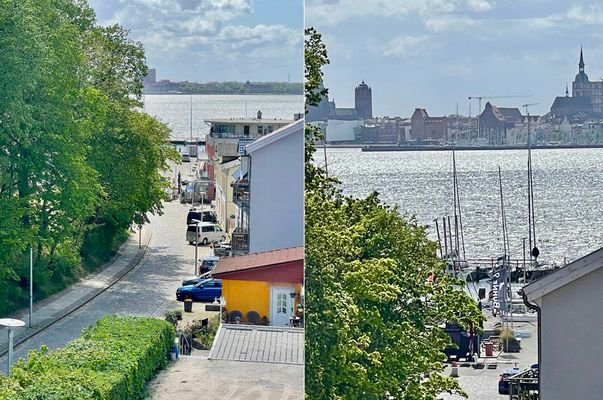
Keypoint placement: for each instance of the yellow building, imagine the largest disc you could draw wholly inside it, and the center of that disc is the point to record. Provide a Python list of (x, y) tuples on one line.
[(269, 284)]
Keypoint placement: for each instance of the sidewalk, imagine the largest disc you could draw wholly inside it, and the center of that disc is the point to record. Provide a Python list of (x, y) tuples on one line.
[(54, 308)]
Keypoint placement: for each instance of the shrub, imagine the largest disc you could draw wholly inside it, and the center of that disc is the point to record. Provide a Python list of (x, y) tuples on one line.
[(113, 359)]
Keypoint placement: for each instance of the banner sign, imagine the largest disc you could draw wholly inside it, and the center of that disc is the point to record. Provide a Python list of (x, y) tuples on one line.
[(499, 290)]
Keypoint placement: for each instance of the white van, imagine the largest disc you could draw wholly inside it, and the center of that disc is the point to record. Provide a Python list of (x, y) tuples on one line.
[(208, 232)]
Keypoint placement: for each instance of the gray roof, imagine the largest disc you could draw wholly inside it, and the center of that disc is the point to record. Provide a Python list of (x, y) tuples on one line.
[(565, 275), (265, 344)]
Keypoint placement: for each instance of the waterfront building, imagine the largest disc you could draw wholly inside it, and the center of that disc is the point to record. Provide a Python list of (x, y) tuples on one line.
[(269, 192), (424, 127), (388, 130), (224, 141), (495, 123)]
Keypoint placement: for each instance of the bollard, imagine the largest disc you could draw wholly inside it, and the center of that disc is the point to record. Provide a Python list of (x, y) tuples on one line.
[(454, 370)]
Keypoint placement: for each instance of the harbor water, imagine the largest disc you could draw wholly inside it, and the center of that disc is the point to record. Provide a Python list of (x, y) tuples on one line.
[(568, 186)]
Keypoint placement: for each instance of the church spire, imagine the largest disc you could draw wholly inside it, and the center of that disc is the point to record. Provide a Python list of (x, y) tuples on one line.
[(581, 64)]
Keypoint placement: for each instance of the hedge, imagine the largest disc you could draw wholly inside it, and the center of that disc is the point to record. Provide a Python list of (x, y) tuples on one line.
[(113, 360)]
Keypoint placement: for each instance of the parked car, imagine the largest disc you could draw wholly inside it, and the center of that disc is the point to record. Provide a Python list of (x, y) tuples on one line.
[(193, 280), (203, 216), (503, 382), (206, 290), (208, 232), (186, 157), (208, 264)]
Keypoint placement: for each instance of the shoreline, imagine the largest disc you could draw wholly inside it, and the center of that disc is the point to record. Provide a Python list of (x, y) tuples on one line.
[(377, 148)]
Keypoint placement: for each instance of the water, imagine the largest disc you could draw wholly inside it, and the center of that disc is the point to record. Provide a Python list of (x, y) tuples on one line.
[(568, 185), (175, 110)]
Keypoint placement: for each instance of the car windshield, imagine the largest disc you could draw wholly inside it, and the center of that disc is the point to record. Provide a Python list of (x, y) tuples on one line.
[(209, 263), (203, 282)]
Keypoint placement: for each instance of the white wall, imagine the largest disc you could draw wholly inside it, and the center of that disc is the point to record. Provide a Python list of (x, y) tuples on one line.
[(338, 131), (277, 194), (572, 348)]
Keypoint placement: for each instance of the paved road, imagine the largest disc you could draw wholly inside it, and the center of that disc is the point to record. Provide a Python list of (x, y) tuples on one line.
[(148, 290), (482, 384)]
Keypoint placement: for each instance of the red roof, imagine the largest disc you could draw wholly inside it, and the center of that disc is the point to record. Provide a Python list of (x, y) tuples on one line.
[(258, 260)]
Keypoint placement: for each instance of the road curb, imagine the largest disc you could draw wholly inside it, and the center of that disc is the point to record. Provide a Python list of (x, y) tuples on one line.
[(84, 300)]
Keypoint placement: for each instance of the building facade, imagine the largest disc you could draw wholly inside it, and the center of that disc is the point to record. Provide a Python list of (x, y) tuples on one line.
[(569, 302), (363, 101), (424, 127), (582, 87)]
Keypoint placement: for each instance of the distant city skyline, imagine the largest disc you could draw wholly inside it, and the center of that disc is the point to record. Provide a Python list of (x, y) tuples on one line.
[(434, 54), (214, 40)]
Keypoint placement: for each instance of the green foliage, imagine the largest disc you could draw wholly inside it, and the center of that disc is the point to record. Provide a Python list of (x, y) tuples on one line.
[(113, 359), (79, 161), (372, 317)]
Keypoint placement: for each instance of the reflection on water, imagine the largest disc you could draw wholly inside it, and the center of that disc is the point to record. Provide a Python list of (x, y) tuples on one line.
[(568, 185)]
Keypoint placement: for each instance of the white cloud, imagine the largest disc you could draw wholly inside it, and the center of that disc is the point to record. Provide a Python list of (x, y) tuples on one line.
[(407, 46), (593, 14), (480, 5), (442, 23)]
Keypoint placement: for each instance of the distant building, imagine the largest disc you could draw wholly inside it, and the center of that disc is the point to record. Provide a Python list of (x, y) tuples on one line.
[(582, 87), (496, 122), (387, 130), (363, 96), (424, 127), (151, 77), (326, 109)]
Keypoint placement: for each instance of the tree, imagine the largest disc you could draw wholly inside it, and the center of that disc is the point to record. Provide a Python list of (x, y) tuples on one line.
[(372, 314)]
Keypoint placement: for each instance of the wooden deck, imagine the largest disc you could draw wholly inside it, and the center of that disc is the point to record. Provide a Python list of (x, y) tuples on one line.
[(265, 344)]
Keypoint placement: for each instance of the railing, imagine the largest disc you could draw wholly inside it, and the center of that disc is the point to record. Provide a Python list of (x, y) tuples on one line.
[(240, 241), (240, 193)]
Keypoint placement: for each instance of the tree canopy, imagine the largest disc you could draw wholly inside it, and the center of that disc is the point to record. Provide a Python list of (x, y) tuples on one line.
[(372, 315), (78, 156)]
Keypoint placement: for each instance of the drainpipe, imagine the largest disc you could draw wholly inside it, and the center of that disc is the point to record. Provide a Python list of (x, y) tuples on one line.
[(538, 310)]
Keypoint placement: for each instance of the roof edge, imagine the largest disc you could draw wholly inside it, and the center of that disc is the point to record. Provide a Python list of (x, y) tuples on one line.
[(565, 275), (276, 135)]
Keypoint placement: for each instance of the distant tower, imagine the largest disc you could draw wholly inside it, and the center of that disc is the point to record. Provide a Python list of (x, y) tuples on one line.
[(581, 84), (364, 101)]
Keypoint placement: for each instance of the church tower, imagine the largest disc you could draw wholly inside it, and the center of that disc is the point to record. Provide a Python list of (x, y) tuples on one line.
[(364, 101), (580, 85)]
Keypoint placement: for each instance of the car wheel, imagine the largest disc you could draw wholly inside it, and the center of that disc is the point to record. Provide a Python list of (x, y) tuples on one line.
[(190, 242), (204, 241)]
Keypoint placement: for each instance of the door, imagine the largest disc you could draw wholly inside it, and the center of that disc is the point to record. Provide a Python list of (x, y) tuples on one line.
[(281, 305)]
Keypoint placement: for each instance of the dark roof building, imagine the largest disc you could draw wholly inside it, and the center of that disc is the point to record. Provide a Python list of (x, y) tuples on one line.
[(494, 122)]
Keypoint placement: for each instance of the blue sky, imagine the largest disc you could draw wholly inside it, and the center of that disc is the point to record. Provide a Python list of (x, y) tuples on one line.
[(214, 40), (433, 54)]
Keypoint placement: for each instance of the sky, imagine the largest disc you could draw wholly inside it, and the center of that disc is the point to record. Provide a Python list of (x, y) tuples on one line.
[(214, 40), (434, 54)]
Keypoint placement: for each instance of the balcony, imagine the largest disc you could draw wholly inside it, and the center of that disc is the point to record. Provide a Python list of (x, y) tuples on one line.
[(240, 241), (240, 193)]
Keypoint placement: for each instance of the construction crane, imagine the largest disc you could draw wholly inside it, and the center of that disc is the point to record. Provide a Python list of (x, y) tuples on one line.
[(479, 110)]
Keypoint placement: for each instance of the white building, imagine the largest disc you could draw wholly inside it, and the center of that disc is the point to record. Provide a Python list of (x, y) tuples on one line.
[(270, 195), (571, 326)]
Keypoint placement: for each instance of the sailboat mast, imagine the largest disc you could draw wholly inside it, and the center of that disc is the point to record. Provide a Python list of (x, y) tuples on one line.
[(191, 116)]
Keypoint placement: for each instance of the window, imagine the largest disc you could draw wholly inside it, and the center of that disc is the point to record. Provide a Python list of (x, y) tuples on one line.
[(224, 128), (269, 128), (246, 130), (260, 129), (207, 229), (281, 303)]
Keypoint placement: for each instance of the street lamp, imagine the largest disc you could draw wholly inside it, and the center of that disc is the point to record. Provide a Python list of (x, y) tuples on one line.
[(197, 222), (10, 323)]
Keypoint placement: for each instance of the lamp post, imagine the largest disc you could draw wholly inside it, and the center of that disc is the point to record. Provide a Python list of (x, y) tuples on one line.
[(196, 222), (10, 323)]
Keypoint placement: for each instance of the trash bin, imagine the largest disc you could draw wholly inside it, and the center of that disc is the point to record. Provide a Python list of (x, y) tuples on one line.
[(174, 353), (188, 305), (489, 347)]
